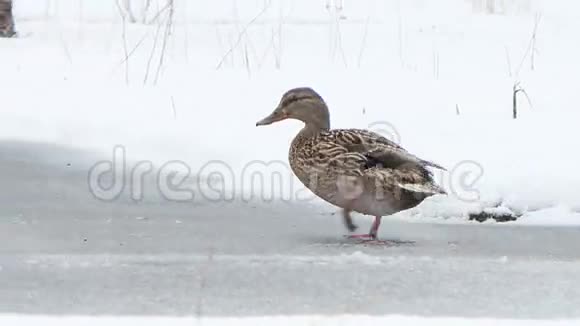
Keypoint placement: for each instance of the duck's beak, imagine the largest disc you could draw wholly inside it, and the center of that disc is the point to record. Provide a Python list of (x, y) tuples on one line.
[(277, 115)]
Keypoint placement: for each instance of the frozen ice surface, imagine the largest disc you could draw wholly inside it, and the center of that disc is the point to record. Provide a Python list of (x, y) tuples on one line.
[(64, 252)]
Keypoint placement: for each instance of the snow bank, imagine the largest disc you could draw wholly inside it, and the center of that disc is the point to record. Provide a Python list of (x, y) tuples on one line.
[(436, 78)]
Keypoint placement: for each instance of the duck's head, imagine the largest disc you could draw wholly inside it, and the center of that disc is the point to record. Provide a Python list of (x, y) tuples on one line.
[(302, 104)]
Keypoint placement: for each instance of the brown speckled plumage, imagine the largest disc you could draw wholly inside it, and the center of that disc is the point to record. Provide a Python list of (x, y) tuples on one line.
[(357, 170)]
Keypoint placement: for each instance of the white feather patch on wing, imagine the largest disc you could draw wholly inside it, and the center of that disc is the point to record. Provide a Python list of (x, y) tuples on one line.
[(422, 188)]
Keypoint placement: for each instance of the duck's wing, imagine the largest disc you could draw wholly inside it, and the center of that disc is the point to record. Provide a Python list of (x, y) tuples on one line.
[(378, 149), (385, 165), (326, 154)]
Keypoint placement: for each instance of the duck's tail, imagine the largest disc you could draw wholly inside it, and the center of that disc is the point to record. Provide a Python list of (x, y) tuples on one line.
[(431, 164), (424, 188)]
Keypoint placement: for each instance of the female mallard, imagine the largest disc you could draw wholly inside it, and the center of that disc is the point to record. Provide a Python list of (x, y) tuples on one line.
[(357, 170)]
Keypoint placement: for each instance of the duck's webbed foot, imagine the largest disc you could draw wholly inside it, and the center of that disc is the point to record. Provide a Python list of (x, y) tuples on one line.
[(372, 235), (348, 220), (362, 237)]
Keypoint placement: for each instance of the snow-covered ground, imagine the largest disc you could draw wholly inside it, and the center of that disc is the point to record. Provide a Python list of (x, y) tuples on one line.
[(436, 76)]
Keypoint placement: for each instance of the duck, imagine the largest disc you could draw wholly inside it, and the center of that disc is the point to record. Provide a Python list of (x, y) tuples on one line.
[(356, 170)]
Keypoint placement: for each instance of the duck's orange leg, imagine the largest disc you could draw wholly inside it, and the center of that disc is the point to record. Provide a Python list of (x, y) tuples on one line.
[(372, 235)]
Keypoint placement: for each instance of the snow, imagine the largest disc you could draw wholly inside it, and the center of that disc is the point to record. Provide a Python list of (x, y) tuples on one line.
[(278, 320), (197, 114), (418, 63)]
